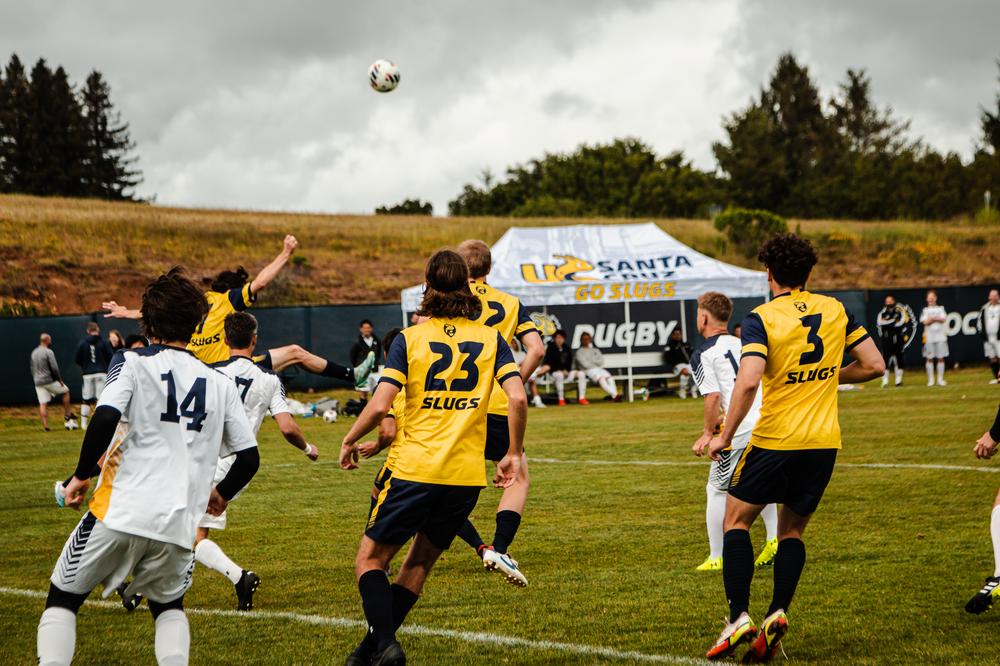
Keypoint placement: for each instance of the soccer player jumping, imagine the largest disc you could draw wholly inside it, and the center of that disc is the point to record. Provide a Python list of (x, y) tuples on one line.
[(792, 348)]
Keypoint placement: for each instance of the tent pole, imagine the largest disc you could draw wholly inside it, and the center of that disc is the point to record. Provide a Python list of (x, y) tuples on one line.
[(628, 352)]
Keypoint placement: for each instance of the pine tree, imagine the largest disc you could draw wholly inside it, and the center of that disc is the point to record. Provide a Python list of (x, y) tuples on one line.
[(109, 170), (14, 114), (990, 122), (866, 128)]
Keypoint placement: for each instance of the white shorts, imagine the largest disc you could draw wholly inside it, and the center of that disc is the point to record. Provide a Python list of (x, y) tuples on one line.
[(93, 385), (936, 349), (48, 391), (96, 555), (221, 469), (720, 474), (991, 348)]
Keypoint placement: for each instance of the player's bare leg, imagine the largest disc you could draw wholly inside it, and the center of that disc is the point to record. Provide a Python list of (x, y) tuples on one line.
[(289, 355), (509, 512), (379, 601), (43, 412)]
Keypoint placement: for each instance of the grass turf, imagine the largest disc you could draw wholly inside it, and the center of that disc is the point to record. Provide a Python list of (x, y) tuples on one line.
[(610, 550)]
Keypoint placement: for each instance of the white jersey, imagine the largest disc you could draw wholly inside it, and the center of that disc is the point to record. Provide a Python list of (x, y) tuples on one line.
[(991, 321), (715, 365), (260, 390), (182, 415), (936, 331)]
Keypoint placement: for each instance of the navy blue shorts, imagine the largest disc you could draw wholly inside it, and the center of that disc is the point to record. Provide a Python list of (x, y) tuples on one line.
[(796, 479), (497, 437), (405, 508)]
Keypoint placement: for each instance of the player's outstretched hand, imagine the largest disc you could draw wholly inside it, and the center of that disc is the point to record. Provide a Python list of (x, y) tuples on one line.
[(507, 470), (290, 244), (114, 311), (701, 444), (716, 446), (985, 448), (216, 503), (348, 456), (76, 491), (368, 449)]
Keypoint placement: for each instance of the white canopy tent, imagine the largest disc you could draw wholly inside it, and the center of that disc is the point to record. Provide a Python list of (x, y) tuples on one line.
[(623, 263)]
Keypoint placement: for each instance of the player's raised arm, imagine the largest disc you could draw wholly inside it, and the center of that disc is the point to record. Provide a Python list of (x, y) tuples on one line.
[(269, 272), (115, 311)]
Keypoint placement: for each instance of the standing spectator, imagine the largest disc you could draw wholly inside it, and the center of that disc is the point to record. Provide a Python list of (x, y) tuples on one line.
[(93, 355), (590, 362), (558, 360), (988, 325), (116, 340), (678, 356), (894, 323), (532, 384), (48, 383), (366, 344), (933, 317)]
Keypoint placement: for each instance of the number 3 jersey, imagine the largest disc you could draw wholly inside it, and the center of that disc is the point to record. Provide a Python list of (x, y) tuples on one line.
[(182, 416), (447, 368), (715, 365), (803, 338)]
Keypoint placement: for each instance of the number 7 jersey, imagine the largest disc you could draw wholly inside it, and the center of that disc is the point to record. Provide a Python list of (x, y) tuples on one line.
[(803, 338), (447, 368)]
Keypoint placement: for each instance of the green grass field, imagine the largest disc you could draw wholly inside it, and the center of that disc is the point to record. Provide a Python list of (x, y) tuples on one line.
[(609, 549)]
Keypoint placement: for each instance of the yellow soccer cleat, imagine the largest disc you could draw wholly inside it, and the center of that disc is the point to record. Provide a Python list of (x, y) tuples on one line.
[(742, 630), (710, 564), (768, 641), (766, 557)]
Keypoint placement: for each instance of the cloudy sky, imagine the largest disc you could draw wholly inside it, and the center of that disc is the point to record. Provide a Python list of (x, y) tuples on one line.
[(265, 105)]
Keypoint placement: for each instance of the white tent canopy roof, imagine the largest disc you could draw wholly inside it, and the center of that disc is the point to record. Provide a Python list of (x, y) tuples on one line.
[(606, 264)]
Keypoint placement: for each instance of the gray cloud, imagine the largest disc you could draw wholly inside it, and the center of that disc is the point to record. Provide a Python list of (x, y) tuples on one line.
[(266, 105)]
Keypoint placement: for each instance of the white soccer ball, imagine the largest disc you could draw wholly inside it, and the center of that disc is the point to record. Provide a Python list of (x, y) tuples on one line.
[(383, 76), (330, 415)]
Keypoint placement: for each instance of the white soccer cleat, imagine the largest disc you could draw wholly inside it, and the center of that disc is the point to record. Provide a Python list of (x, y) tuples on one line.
[(537, 402), (70, 424), (942, 382), (505, 565)]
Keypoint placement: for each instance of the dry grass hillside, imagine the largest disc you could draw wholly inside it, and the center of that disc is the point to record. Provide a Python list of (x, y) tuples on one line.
[(65, 256)]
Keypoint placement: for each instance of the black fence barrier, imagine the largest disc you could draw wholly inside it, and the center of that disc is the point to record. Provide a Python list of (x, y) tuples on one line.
[(329, 331)]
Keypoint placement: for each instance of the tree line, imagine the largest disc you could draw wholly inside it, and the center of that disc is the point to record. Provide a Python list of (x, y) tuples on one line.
[(788, 151), (57, 140)]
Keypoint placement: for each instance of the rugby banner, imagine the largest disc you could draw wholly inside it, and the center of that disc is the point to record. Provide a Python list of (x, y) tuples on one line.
[(613, 263)]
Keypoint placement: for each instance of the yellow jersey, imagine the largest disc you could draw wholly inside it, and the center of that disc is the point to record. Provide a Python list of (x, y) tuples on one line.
[(209, 341), (398, 413), (803, 338), (448, 369), (506, 314)]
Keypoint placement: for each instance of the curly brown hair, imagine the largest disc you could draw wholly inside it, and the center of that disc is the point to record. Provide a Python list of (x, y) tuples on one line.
[(790, 259), (172, 307), (447, 293)]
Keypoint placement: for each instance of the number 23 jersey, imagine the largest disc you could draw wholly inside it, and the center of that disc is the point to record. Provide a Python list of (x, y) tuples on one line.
[(447, 368), (803, 338), (183, 416)]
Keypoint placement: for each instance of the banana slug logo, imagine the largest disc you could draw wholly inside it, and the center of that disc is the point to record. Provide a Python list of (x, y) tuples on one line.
[(565, 272)]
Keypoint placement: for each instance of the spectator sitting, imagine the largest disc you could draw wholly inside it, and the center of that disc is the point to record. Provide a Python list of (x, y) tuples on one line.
[(558, 360), (366, 344), (678, 356), (590, 362)]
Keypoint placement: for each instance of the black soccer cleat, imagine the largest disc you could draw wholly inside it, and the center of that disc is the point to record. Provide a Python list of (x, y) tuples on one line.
[(131, 601), (355, 660), (249, 582), (392, 655), (983, 600)]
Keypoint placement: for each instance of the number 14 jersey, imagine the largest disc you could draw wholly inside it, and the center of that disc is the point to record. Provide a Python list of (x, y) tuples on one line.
[(803, 338)]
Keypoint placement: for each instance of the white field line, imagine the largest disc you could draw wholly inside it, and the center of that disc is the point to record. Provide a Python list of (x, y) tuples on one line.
[(413, 630)]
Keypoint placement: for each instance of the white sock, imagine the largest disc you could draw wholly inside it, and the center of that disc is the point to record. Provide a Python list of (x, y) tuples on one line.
[(84, 413), (173, 638), (930, 371), (56, 637), (608, 384), (715, 514), (207, 553), (899, 374), (559, 380), (940, 369), (885, 377), (581, 387), (995, 534), (770, 517)]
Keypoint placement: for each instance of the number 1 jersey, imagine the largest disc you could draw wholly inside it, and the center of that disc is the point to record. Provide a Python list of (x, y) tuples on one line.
[(803, 338), (182, 416)]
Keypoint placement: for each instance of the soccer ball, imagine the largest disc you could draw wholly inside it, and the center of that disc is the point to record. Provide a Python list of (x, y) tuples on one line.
[(330, 416), (383, 76)]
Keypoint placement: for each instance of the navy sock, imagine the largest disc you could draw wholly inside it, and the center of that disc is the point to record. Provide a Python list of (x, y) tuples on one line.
[(402, 601), (737, 570), (467, 533), (507, 524), (376, 600), (788, 565), (338, 371)]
